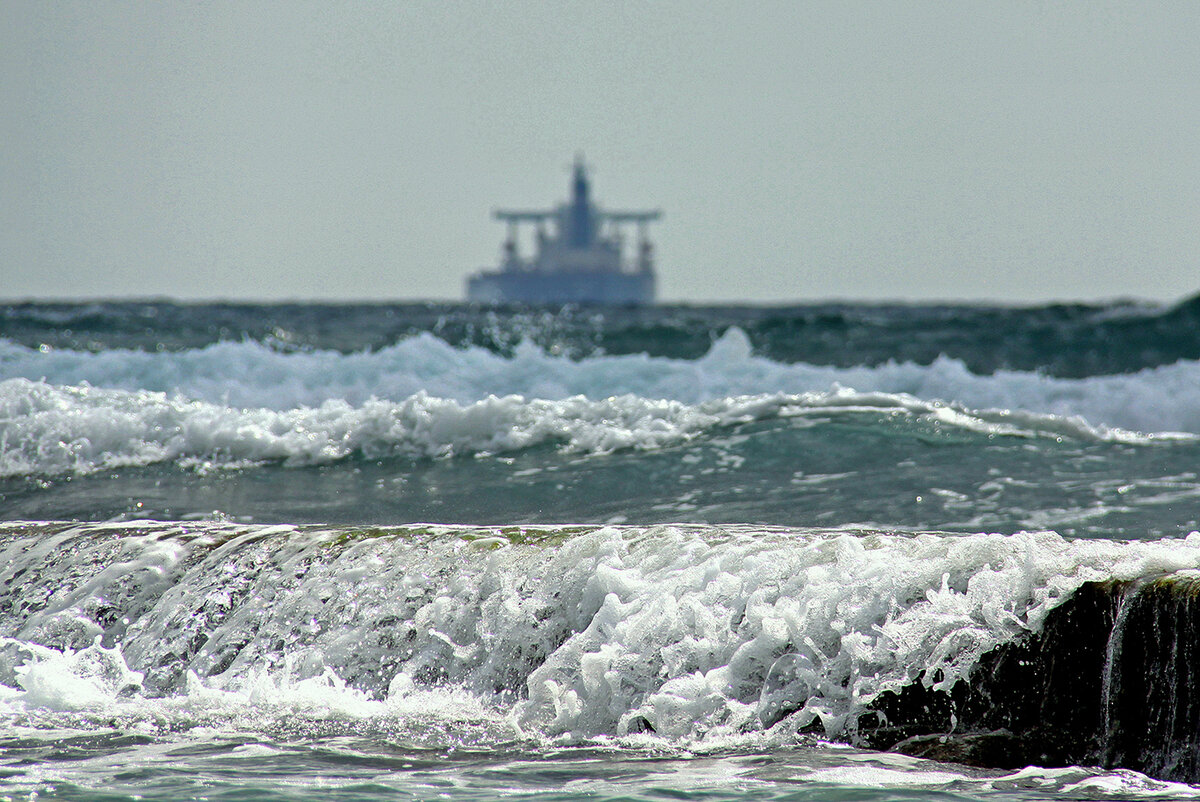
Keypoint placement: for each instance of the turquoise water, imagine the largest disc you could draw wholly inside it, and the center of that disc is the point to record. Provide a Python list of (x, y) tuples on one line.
[(430, 552), (352, 769)]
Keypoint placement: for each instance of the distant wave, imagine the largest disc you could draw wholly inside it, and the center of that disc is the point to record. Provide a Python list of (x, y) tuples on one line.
[(47, 429), (250, 375)]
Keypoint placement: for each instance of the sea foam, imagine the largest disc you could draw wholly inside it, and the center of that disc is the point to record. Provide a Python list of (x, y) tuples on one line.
[(702, 634), (252, 375), (48, 430), (233, 404)]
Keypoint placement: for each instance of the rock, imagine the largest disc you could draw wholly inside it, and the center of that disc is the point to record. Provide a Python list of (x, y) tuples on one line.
[(1112, 679), (1153, 703), (1038, 700)]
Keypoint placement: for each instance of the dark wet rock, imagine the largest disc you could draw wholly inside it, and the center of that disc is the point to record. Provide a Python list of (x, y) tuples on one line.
[(1111, 680), (1154, 697), (1000, 749), (1044, 691), (640, 724)]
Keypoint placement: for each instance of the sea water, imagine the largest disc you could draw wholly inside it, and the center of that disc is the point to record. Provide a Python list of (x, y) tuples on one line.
[(417, 552)]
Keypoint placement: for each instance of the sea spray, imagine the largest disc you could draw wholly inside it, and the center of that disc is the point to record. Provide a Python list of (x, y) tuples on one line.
[(698, 633)]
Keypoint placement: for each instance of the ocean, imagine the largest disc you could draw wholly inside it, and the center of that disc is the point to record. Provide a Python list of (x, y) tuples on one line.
[(421, 551)]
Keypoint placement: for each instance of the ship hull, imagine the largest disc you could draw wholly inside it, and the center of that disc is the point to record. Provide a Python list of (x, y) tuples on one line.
[(511, 287)]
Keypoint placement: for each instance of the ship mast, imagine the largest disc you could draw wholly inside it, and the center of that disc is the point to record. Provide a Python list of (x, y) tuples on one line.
[(579, 227)]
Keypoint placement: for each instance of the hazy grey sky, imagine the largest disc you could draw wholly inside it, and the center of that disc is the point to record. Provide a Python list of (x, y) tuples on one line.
[(800, 151)]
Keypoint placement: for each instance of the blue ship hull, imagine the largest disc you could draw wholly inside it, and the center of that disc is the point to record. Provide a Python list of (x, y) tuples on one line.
[(499, 287)]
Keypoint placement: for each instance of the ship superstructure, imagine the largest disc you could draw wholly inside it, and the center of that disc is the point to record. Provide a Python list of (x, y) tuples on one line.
[(579, 255)]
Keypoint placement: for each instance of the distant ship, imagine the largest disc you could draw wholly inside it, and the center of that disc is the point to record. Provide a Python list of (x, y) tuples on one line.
[(580, 261)]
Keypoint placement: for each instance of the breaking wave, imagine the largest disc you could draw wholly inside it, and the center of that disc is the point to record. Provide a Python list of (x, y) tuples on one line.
[(233, 404), (53, 430), (705, 634)]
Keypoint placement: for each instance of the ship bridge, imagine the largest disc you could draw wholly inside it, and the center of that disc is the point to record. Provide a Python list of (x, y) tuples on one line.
[(584, 236), (579, 254)]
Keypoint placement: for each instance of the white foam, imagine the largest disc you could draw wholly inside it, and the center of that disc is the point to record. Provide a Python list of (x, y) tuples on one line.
[(48, 429), (91, 679), (94, 687), (880, 777), (236, 404), (706, 633), (251, 375), (1075, 782)]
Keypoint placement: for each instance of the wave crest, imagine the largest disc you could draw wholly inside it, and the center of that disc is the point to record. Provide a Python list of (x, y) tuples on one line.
[(253, 376), (46, 430)]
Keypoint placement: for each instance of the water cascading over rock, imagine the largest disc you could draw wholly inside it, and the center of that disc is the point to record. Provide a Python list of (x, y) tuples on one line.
[(1111, 680)]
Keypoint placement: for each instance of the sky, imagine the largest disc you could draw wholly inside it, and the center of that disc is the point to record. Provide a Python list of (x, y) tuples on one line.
[(1015, 152)]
